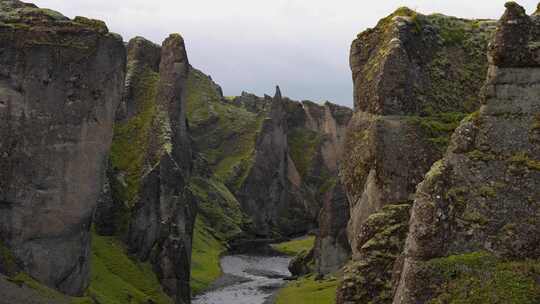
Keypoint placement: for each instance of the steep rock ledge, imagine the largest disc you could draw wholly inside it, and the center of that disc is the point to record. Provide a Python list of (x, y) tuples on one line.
[(415, 77), (474, 229), (147, 201), (60, 83)]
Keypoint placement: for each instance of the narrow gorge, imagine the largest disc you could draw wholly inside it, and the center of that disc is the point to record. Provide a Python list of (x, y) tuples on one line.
[(128, 176)]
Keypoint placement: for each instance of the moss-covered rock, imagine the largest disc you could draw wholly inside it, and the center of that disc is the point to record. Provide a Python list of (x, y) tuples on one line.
[(474, 227), (480, 277), (368, 277)]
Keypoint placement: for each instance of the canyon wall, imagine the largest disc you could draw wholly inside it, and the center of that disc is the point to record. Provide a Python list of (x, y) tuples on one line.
[(477, 210), (415, 77), (276, 156), (60, 83), (147, 201), (461, 229)]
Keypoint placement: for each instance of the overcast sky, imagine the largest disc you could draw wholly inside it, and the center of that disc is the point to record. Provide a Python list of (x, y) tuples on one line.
[(252, 45)]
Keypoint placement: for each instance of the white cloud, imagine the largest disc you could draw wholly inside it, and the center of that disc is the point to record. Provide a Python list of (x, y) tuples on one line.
[(252, 45)]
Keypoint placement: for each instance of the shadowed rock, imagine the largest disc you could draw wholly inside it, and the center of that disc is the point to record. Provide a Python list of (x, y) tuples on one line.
[(60, 83), (481, 202)]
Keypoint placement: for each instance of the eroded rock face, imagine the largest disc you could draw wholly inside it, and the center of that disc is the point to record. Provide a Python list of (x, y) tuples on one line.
[(369, 277), (161, 226), (264, 192), (402, 125), (60, 83), (415, 77), (481, 202), (301, 142)]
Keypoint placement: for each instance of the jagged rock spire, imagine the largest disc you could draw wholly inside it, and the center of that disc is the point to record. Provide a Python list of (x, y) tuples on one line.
[(514, 43), (277, 95)]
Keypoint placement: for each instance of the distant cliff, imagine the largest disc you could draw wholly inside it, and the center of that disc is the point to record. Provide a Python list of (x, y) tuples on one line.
[(275, 155)]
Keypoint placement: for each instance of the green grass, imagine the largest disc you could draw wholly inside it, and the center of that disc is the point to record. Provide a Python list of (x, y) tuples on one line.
[(482, 278), (118, 279), (308, 291), (295, 247), (205, 266), (46, 292), (217, 205), (225, 133)]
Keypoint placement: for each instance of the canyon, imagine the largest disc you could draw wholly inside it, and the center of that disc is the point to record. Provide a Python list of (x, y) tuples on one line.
[(126, 175)]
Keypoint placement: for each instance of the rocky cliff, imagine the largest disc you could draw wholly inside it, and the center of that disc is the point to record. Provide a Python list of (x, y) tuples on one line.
[(415, 77), (276, 156), (60, 83), (473, 233), (147, 201)]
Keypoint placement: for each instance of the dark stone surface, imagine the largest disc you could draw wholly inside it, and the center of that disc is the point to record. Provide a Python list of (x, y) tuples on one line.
[(60, 83), (484, 194)]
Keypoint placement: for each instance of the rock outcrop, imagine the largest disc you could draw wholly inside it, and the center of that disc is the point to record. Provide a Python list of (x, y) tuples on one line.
[(147, 200), (60, 83), (474, 228), (415, 77), (162, 221)]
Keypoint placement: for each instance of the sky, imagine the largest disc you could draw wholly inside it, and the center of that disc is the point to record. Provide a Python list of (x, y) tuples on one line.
[(254, 45)]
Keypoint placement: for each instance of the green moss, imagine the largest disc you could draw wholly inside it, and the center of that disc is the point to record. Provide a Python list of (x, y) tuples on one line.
[(482, 278), (7, 259), (295, 247), (218, 206), (224, 132), (523, 159), (97, 25), (478, 155), (205, 263), (438, 127), (118, 279), (307, 290), (46, 292), (131, 139), (303, 146), (487, 191), (536, 123)]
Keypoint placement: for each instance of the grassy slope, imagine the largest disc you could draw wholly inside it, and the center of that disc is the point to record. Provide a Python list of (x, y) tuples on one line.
[(117, 279), (308, 291), (225, 133), (46, 292), (295, 247), (205, 258)]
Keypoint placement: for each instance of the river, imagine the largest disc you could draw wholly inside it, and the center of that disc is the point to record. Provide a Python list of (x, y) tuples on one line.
[(247, 279)]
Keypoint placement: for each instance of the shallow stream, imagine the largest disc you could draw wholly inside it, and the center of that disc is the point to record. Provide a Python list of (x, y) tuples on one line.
[(247, 279)]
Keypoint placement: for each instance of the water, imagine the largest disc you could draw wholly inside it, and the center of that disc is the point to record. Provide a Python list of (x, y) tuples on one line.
[(247, 279)]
